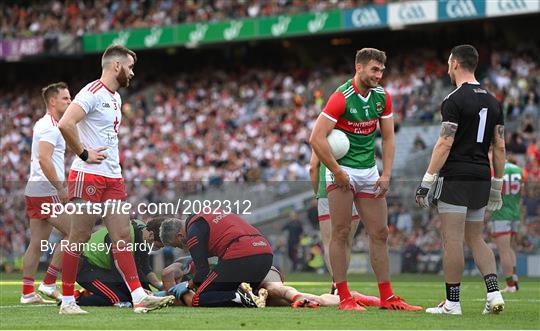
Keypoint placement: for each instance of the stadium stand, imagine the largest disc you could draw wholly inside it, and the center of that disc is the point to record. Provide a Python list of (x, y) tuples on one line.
[(47, 18), (250, 123)]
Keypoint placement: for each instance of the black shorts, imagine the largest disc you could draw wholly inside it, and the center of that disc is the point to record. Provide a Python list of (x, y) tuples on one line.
[(228, 274), (471, 192)]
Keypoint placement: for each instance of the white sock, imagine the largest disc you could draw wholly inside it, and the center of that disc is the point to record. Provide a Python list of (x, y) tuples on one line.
[(451, 304), (138, 294), (237, 298), (67, 299)]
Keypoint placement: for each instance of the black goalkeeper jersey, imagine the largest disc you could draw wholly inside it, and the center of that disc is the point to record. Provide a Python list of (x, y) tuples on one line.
[(476, 112)]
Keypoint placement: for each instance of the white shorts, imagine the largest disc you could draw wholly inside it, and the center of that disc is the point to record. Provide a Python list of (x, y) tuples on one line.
[(503, 227), (324, 210), (362, 181)]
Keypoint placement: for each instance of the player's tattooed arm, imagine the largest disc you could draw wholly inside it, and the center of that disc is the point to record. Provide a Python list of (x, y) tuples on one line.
[(448, 130), (499, 151), (499, 129)]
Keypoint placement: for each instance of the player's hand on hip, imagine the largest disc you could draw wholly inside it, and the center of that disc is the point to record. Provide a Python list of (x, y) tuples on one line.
[(381, 185), (422, 192), (341, 179), (495, 196), (96, 156)]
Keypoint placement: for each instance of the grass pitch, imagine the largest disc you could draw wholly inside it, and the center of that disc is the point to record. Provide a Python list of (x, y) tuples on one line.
[(522, 310)]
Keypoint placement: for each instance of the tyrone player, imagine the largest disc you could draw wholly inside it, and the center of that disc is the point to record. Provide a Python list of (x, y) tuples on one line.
[(355, 108), (45, 185), (90, 127)]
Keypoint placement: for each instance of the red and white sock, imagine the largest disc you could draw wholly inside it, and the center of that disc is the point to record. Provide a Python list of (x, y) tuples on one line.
[(28, 285), (51, 275), (125, 263), (70, 265)]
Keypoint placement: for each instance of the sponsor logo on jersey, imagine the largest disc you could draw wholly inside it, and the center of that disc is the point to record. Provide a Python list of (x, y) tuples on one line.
[(105, 105), (218, 218), (353, 111), (259, 244), (479, 90)]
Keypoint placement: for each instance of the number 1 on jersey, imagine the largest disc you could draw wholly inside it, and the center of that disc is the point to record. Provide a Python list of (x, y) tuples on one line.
[(481, 125)]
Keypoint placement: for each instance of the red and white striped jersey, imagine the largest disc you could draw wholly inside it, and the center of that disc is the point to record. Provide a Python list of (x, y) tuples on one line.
[(45, 129), (99, 128)]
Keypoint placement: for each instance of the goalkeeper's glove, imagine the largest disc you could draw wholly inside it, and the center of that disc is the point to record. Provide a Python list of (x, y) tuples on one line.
[(495, 198), (422, 191), (179, 290)]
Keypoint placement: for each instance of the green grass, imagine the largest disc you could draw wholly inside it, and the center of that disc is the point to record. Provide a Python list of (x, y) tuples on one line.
[(522, 310)]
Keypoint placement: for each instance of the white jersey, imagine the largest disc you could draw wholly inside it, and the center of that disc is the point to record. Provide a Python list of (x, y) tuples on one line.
[(99, 128), (46, 129)]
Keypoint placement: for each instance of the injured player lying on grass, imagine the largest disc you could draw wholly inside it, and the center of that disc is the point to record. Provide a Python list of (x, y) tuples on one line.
[(177, 279)]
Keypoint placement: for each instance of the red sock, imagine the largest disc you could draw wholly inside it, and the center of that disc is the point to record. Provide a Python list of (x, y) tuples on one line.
[(51, 275), (385, 291), (70, 265), (28, 285), (125, 263), (343, 290)]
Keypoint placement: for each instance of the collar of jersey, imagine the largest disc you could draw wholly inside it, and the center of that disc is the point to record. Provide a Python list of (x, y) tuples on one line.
[(358, 91)]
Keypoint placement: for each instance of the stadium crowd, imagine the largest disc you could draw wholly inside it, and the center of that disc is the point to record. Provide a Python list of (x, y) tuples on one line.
[(53, 17), (253, 125)]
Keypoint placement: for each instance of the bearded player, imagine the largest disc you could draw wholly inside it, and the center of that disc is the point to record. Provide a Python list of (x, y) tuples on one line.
[(355, 108), (90, 127), (317, 173)]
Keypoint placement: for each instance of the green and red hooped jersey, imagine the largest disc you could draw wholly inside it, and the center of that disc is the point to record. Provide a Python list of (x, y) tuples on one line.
[(357, 117), (513, 180)]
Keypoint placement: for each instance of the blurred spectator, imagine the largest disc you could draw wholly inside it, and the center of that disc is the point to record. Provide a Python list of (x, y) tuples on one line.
[(294, 230), (313, 214), (53, 17), (418, 144)]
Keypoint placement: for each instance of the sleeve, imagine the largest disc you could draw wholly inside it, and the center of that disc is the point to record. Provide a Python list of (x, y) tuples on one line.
[(335, 107), (197, 242), (86, 99), (450, 111), (387, 113), (49, 134)]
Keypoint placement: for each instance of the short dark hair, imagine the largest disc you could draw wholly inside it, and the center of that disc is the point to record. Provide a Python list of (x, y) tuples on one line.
[(466, 56), (118, 50), (153, 226), (365, 55), (52, 90)]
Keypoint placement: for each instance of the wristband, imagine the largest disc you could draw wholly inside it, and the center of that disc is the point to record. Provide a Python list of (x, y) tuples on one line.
[(84, 155)]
